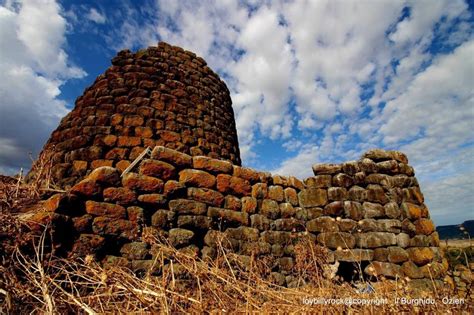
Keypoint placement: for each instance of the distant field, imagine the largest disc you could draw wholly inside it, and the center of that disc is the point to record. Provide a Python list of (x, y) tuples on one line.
[(456, 243)]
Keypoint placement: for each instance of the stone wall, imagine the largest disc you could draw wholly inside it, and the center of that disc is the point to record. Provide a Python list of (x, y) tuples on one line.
[(158, 96), (369, 211)]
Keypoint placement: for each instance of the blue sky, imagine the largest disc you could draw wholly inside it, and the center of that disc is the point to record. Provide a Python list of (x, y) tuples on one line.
[(311, 81)]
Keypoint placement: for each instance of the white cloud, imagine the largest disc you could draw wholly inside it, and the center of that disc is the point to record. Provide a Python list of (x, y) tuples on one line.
[(33, 65), (96, 16)]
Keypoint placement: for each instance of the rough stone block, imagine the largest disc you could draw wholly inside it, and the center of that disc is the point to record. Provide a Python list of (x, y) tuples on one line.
[(180, 237), (260, 222), (312, 197), (353, 210), (212, 165), (342, 180), (319, 181), (260, 190), (354, 255), (233, 185), (291, 196), (289, 224), (347, 225), (243, 233), (171, 156), (159, 169), (336, 239), (411, 270), (337, 193), (194, 221), (87, 244), (173, 188), (375, 239), (397, 255), (424, 226), (386, 269), (276, 237), (105, 209), (197, 178), (246, 173), (276, 193), (143, 183), (420, 255), (334, 208), (135, 214), (287, 210), (232, 203), (373, 210), (134, 250), (326, 168), (249, 205), (411, 211), (357, 193), (375, 193), (152, 199), (322, 224), (115, 227), (229, 215), (206, 195), (255, 248), (187, 206), (389, 225), (119, 195), (392, 210), (162, 218)]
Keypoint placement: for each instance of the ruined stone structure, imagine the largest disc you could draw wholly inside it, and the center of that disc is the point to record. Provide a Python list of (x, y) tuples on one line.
[(192, 191), (159, 96)]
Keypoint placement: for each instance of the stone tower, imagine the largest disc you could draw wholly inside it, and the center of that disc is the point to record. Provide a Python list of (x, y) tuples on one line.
[(160, 96)]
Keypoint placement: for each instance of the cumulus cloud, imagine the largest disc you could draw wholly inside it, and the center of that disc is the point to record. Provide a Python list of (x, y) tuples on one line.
[(33, 65)]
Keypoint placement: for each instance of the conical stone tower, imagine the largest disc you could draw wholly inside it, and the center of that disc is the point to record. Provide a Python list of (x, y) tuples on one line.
[(160, 96)]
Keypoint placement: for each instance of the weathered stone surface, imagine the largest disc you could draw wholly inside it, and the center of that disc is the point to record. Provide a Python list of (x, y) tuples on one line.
[(119, 195), (143, 183), (270, 209), (197, 178), (260, 222), (173, 188), (291, 196), (392, 210), (403, 240), (424, 226), (159, 169), (336, 239), (353, 255), (342, 180), (334, 208), (162, 217), (116, 262), (377, 155), (388, 167), (180, 237), (153, 199), (420, 255), (413, 195), (411, 270), (350, 167), (105, 209), (229, 215), (82, 224), (312, 197), (353, 210), (397, 255), (337, 193), (87, 244), (134, 250), (206, 195), (322, 224), (381, 254), (357, 193), (135, 214), (288, 224), (232, 203), (243, 233), (260, 190), (306, 214), (114, 227), (375, 193), (410, 211), (386, 269), (233, 185), (276, 237), (319, 181), (87, 188), (375, 239), (194, 221), (287, 210), (276, 193), (326, 168), (105, 175), (171, 156), (212, 165), (249, 205), (347, 225), (368, 166), (187, 206), (256, 248), (246, 173), (389, 225)]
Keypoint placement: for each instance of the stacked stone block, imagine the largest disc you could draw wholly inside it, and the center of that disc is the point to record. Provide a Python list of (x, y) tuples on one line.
[(371, 211), (162, 96)]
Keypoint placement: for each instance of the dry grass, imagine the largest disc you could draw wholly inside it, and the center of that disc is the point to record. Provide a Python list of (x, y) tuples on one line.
[(32, 281)]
